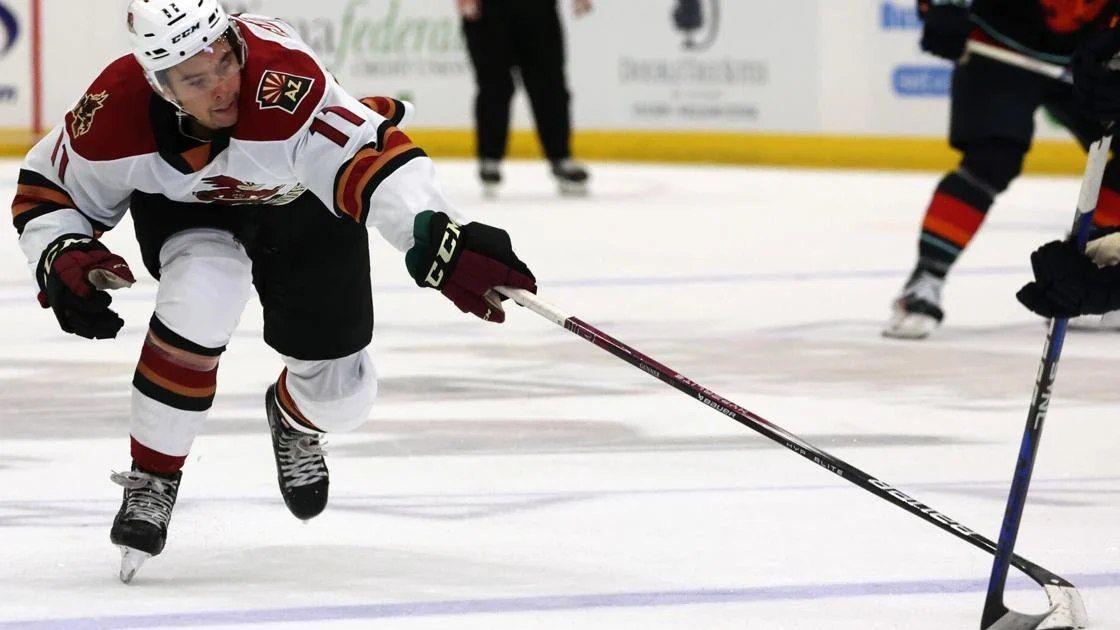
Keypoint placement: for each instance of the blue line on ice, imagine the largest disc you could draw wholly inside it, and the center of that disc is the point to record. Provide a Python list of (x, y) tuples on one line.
[(543, 603), (631, 281), (1040, 483)]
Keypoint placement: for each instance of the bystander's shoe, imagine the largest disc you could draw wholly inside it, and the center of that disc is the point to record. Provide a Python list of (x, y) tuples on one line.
[(490, 173), (571, 176)]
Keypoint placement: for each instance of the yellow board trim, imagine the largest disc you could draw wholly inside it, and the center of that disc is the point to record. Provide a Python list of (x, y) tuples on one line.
[(761, 149)]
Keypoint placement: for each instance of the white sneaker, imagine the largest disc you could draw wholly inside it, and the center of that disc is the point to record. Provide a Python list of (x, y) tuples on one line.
[(917, 311)]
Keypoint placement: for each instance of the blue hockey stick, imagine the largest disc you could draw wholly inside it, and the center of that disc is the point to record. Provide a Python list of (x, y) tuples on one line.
[(996, 615)]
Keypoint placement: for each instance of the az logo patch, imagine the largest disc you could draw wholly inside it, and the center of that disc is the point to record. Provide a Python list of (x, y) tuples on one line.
[(282, 91), (81, 117)]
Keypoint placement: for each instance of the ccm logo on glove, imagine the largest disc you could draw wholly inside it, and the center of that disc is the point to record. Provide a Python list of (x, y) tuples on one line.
[(446, 252), (465, 263)]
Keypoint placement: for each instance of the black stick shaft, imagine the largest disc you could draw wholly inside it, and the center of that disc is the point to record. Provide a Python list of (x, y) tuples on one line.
[(830, 463)]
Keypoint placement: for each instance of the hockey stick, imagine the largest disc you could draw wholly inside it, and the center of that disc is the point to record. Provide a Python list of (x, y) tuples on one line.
[(1065, 602), (996, 615), (1012, 58)]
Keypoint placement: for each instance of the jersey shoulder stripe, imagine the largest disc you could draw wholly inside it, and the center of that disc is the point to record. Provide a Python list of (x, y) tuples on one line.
[(112, 119), (388, 108), (282, 84)]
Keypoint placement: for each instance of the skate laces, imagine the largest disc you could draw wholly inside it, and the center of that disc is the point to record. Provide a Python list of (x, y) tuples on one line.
[(301, 457), (150, 498)]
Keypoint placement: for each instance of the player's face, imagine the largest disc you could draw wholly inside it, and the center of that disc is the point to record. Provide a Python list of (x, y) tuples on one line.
[(208, 84)]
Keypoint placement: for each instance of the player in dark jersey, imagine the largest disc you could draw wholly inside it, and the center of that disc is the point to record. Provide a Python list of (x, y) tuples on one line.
[(992, 124), (243, 163), (1067, 282)]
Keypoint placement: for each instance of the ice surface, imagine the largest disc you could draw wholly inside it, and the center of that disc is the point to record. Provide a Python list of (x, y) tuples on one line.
[(517, 477)]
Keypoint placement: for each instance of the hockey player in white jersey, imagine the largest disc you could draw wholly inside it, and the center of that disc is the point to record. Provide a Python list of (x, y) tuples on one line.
[(243, 163)]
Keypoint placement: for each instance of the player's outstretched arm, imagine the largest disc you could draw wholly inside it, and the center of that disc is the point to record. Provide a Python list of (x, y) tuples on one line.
[(465, 263)]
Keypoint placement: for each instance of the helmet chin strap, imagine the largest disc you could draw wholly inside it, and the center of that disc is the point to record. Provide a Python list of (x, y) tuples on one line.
[(184, 120)]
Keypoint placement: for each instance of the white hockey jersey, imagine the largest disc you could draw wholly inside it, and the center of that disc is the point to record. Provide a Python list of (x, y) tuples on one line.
[(297, 131)]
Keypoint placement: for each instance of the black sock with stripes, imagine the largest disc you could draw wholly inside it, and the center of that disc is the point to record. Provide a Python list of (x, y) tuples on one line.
[(954, 215)]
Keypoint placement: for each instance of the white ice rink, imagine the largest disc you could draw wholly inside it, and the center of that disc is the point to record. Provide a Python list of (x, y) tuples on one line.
[(517, 477)]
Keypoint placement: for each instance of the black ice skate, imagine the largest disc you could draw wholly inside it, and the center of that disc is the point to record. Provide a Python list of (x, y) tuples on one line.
[(140, 527), (490, 173), (918, 310), (300, 467), (571, 176)]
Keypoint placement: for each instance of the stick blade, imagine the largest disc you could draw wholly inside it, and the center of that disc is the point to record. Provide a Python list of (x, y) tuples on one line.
[(1012, 620), (1067, 612)]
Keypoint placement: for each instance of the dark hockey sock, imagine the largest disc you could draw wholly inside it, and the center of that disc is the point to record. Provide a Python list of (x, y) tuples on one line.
[(954, 215)]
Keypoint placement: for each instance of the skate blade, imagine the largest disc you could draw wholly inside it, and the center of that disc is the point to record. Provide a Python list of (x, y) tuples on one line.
[(574, 189), (490, 191), (131, 561), (910, 326)]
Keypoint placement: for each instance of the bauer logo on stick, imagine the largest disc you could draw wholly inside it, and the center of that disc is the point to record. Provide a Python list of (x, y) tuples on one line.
[(282, 90), (81, 117)]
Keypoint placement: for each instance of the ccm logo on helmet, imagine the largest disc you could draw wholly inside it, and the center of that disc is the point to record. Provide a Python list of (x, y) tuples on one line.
[(178, 38)]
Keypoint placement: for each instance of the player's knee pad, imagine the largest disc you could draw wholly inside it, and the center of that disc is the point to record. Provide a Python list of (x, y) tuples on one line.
[(993, 163), (205, 279), (334, 395)]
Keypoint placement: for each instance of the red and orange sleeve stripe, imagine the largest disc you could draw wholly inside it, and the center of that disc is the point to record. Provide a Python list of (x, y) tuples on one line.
[(359, 178)]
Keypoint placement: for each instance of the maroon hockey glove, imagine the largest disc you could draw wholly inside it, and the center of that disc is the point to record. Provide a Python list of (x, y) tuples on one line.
[(465, 263), (946, 27), (73, 273)]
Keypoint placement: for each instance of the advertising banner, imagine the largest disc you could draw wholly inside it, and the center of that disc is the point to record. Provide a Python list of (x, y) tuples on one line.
[(794, 67), (411, 49), (705, 64), (882, 83), (15, 65), (653, 64)]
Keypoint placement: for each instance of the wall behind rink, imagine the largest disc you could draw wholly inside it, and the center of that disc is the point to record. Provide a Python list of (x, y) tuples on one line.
[(803, 82), (15, 70)]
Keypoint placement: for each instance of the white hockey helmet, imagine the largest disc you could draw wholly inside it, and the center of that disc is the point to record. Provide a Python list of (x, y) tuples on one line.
[(164, 33)]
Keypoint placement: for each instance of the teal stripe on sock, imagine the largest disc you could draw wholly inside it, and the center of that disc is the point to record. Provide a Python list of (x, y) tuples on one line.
[(943, 245)]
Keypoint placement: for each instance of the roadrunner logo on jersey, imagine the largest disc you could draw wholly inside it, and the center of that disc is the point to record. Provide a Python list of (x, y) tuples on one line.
[(230, 190), (82, 114), (282, 90)]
